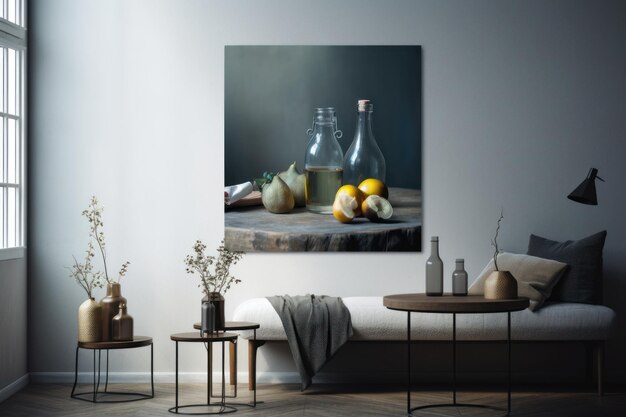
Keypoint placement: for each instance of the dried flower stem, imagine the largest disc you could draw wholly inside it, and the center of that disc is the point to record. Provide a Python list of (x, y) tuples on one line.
[(83, 273), (494, 241)]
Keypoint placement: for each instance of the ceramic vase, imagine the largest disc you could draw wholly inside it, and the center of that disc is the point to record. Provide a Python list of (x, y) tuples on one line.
[(90, 321), (218, 301), (207, 324), (500, 285), (122, 325), (110, 307)]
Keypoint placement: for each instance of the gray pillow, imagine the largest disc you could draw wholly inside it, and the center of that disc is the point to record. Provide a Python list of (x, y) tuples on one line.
[(582, 282)]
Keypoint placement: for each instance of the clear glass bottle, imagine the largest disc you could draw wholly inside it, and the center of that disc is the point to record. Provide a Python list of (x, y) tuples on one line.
[(459, 278), (434, 269), (323, 162), (364, 158)]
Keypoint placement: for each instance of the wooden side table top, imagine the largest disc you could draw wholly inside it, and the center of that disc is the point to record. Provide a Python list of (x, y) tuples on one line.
[(448, 303), (138, 341), (234, 325), (207, 337)]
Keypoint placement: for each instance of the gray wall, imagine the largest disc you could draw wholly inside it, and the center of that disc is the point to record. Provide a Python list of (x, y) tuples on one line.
[(13, 321), (270, 93), (519, 100)]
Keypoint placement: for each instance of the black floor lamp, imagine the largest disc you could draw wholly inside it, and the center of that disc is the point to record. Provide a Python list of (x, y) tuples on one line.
[(585, 193)]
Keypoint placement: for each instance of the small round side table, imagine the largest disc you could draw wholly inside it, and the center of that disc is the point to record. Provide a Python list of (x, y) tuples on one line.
[(230, 326), (208, 339), (92, 396), (450, 304)]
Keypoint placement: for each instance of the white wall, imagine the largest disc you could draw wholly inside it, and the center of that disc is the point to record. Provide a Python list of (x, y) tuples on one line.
[(520, 99)]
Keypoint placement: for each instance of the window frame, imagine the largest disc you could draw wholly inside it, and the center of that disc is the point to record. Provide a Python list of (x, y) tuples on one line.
[(15, 37)]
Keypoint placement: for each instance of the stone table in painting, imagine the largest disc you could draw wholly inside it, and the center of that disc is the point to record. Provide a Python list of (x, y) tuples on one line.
[(255, 229)]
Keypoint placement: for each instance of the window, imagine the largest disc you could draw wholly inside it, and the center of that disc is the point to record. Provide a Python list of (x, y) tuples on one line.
[(12, 128), (13, 11)]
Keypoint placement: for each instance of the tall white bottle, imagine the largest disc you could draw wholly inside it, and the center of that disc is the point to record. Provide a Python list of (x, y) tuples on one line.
[(434, 269)]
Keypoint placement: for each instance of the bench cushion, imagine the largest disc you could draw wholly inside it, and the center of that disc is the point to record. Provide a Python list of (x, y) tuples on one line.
[(372, 321)]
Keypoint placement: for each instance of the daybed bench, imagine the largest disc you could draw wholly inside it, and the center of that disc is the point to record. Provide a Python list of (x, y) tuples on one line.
[(371, 321)]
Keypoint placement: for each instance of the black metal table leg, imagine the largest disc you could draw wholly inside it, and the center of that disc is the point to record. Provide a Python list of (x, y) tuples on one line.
[(454, 358), (508, 338), (254, 392), (408, 372), (95, 387), (223, 378), (209, 372), (75, 373), (152, 367), (176, 408), (106, 381), (236, 344)]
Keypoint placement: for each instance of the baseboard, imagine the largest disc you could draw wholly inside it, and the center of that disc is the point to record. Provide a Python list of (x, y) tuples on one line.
[(128, 377), (294, 377), (160, 377), (291, 378), (14, 387)]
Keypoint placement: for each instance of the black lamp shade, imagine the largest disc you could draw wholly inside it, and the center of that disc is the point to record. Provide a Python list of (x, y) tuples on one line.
[(585, 193)]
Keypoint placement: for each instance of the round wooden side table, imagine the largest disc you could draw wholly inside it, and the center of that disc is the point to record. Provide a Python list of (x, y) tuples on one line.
[(93, 396), (230, 326), (450, 304), (208, 339)]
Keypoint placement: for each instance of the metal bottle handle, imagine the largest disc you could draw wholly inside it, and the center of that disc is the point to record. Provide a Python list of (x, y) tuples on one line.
[(338, 133)]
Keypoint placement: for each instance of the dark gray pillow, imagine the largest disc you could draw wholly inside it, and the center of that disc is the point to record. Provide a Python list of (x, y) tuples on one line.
[(582, 282)]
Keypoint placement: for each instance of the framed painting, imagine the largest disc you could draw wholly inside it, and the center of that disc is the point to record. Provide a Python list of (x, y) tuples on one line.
[(304, 122)]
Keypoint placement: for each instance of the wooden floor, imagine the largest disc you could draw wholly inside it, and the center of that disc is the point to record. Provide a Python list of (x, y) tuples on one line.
[(320, 400)]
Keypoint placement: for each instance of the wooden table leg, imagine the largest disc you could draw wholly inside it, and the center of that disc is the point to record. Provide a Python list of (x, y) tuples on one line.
[(232, 357)]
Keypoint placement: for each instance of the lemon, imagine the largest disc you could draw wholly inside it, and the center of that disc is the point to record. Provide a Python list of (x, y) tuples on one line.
[(377, 208), (353, 192), (345, 207), (373, 186)]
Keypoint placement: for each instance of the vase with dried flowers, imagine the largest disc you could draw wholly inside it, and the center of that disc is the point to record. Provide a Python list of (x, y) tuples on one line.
[(90, 311), (215, 281), (110, 303), (499, 285)]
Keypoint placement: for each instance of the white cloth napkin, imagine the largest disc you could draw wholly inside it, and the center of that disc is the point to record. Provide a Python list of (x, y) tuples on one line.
[(233, 193)]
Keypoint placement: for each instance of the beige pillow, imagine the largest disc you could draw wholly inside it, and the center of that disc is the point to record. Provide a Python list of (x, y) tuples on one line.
[(535, 276)]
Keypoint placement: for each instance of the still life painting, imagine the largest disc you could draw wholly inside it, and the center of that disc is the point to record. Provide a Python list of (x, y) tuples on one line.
[(323, 148)]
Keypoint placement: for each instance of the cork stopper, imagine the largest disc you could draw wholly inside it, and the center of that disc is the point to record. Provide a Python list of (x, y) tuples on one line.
[(365, 105)]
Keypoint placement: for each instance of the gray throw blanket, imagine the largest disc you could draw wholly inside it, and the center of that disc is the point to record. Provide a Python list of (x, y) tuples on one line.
[(316, 327)]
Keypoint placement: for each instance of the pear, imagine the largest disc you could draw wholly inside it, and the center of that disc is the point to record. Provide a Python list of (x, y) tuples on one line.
[(295, 181), (277, 197)]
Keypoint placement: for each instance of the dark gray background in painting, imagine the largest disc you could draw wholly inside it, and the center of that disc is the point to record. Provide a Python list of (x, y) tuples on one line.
[(271, 91)]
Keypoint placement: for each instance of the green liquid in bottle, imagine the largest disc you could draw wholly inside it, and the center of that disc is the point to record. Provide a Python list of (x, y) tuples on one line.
[(321, 186)]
